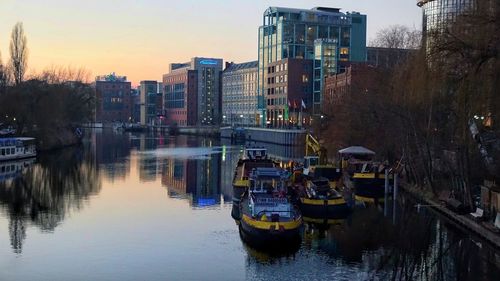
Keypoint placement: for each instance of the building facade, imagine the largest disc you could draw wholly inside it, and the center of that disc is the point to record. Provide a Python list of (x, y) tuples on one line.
[(291, 33), (113, 94), (437, 14), (180, 96), (239, 94), (356, 77), (148, 91), (192, 92), (288, 85)]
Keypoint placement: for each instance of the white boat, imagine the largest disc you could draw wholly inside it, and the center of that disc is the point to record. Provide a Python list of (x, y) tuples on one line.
[(17, 148)]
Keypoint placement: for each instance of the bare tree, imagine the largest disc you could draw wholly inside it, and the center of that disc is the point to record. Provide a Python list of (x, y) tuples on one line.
[(397, 37), (61, 74), (3, 76), (18, 52)]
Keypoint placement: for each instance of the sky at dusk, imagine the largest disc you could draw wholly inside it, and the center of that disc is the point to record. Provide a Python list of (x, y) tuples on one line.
[(140, 39)]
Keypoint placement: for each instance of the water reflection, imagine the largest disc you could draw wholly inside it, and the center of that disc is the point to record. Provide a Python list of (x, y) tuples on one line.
[(47, 191), (193, 173), (150, 186)]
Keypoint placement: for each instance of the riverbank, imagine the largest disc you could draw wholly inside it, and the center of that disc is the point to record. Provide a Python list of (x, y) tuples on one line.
[(56, 138), (464, 221)]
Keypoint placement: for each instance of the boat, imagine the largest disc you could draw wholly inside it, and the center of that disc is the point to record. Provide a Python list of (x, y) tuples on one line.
[(362, 175), (319, 198), (17, 148), (267, 215), (253, 157)]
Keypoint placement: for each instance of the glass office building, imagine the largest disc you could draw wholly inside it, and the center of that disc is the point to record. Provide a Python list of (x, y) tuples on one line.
[(291, 33), (438, 13)]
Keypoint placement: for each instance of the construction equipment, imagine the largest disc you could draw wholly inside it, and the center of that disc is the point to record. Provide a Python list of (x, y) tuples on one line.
[(316, 154)]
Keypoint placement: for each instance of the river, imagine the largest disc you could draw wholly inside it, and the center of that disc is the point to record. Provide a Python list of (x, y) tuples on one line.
[(153, 207)]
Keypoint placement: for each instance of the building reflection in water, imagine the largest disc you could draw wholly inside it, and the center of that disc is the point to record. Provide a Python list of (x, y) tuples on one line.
[(43, 193), (112, 152), (194, 176)]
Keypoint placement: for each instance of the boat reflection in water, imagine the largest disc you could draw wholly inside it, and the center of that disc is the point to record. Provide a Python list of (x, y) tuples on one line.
[(10, 170)]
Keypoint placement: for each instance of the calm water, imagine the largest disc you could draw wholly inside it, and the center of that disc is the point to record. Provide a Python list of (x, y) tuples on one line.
[(147, 207)]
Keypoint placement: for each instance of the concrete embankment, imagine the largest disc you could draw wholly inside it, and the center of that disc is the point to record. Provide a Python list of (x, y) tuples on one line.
[(293, 137), (464, 221)]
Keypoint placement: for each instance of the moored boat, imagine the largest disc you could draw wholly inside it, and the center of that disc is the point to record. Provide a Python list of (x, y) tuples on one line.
[(320, 199), (267, 215), (17, 148), (362, 174), (254, 157)]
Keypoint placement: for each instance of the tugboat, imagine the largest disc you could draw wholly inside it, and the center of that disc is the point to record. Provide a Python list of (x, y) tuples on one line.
[(320, 199), (362, 174), (267, 215)]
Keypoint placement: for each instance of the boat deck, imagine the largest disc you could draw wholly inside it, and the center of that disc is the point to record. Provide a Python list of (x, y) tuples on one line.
[(243, 171)]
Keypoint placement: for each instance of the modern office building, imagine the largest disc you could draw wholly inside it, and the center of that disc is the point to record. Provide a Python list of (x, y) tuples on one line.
[(292, 33), (239, 94), (192, 92), (289, 84), (149, 94), (437, 14), (113, 98)]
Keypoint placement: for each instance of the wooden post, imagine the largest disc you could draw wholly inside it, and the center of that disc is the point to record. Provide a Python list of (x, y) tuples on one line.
[(386, 195), (394, 198)]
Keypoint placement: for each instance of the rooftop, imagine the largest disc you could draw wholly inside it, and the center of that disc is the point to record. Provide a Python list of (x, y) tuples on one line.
[(240, 66)]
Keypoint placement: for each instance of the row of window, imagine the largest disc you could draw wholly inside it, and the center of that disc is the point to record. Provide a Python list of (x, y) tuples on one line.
[(277, 91), (8, 151), (239, 87), (277, 79), (8, 168), (277, 68), (277, 101)]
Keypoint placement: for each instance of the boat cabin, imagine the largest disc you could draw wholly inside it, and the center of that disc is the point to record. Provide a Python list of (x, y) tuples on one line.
[(358, 159), (14, 148), (319, 188), (268, 193), (256, 153)]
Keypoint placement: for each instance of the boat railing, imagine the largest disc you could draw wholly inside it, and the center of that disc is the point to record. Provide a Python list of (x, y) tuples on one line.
[(286, 214)]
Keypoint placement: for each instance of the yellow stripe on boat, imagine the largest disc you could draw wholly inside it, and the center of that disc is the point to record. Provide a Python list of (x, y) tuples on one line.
[(267, 225), (367, 176), (240, 183), (321, 202), (368, 199)]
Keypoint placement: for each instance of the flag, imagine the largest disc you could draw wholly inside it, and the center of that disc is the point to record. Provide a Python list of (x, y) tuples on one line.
[(303, 104), (285, 113), (295, 104), (289, 103)]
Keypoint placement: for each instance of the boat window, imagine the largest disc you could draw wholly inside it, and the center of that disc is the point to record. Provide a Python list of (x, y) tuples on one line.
[(12, 151), (313, 161), (3, 151)]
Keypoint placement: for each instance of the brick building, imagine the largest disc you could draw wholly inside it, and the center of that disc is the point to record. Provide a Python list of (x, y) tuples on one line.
[(289, 83), (359, 77), (114, 102)]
